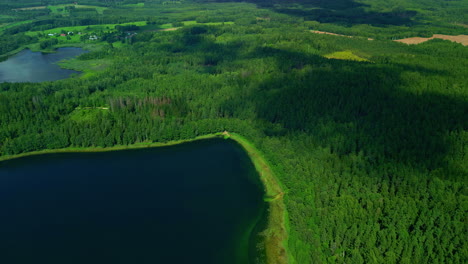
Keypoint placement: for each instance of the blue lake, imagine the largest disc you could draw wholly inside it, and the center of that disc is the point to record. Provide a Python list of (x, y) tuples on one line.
[(199, 202), (28, 66)]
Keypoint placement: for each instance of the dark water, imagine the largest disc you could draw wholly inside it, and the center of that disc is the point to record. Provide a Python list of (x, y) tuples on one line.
[(191, 203), (28, 66)]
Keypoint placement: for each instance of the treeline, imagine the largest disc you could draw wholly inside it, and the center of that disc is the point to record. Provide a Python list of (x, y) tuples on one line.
[(14, 42), (378, 19)]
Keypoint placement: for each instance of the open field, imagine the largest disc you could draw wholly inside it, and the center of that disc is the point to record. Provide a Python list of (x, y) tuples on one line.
[(91, 29), (345, 55), (95, 29), (61, 9), (463, 39), (30, 8), (169, 29), (333, 34), (135, 5), (88, 67)]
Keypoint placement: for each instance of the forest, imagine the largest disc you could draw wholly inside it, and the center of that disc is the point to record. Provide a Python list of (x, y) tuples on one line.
[(368, 136)]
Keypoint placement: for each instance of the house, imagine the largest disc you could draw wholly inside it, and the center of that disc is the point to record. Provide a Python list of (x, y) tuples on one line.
[(93, 37), (50, 34), (63, 35)]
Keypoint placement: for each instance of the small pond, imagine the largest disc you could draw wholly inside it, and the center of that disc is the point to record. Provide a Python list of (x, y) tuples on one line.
[(29, 66)]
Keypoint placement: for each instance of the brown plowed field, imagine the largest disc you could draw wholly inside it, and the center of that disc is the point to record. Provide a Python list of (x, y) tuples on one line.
[(463, 39)]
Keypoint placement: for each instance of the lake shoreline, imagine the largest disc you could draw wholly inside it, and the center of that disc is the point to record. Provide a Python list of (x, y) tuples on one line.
[(275, 235), (34, 47), (38, 66)]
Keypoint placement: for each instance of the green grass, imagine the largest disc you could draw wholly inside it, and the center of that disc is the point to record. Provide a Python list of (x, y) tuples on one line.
[(150, 27), (186, 23), (55, 8), (119, 44), (86, 114), (345, 55), (106, 27), (88, 67), (76, 39), (135, 5)]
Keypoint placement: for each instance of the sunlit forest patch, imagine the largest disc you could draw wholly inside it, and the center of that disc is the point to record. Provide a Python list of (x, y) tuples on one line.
[(345, 55)]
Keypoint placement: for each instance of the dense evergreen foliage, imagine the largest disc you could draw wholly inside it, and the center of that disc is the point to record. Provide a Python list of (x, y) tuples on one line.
[(372, 153)]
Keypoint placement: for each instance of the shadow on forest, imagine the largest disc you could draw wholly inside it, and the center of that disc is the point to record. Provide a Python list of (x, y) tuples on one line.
[(353, 106), (347, 106), (344, 12)]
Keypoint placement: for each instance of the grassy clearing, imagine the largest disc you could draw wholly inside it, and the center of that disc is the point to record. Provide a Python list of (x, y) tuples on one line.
[(135, 5), (345, 55), (88, 67), (276, 233), (61, 9), (87, 114), (75, 39), (99, 9), (170, 26)]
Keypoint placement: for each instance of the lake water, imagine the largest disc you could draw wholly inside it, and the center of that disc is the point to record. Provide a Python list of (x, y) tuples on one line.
[(198, 202), (28, 66)]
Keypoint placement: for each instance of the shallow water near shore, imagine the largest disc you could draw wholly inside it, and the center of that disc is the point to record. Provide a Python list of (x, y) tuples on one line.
[(198, 202), (29, 66)]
